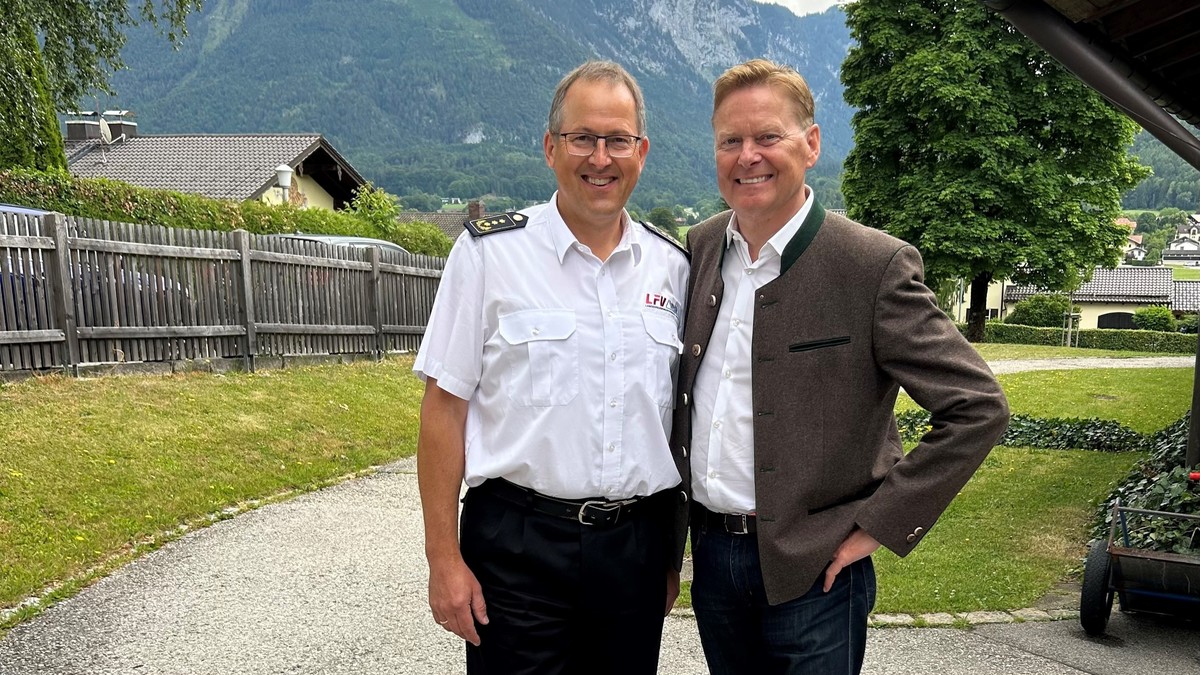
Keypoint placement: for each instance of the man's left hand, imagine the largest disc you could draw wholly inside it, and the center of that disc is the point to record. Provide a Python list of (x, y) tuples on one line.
[(672, 589), (856, 547)]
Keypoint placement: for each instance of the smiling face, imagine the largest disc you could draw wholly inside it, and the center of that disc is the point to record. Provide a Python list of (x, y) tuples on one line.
[(763, 149), (593, 190)]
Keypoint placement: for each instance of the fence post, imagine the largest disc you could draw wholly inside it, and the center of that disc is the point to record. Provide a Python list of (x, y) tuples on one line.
[(64, 290), (374, 294), (246, 293)]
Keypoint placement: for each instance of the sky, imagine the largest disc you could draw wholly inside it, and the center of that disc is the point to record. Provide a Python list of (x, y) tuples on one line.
[(802, 7)]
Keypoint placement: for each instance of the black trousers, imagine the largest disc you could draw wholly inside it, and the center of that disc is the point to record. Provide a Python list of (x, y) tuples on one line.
[(564, 597)]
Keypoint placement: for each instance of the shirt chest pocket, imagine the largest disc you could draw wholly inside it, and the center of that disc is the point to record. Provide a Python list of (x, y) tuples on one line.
[(664, 348), (544, 353)]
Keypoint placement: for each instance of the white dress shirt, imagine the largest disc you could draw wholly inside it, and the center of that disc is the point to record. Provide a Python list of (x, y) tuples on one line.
[(722, 412), (567, 361)]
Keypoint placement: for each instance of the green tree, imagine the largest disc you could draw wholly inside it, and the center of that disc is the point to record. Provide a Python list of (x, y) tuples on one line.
[(976, 147), (83, 38), (1155, 318), (1045, 310), (32, 139), (81, 48), (662, 218), (1147, 221), (1172, 217)]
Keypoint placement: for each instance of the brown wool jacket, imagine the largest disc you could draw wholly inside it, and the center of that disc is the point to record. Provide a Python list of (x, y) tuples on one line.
[(848, 323)]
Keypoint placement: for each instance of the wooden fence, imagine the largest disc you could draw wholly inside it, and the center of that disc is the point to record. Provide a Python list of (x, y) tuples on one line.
[(76, 291)]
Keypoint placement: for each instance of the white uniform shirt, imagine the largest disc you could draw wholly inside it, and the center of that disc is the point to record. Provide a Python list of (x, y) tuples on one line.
[(723, 408), (567, 362)]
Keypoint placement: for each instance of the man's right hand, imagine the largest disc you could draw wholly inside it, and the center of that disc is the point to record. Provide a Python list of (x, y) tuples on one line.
[(456, 599)]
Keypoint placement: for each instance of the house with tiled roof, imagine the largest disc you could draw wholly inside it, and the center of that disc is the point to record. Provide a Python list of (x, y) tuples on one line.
[(1111, 296), (238, 167), (1134, 248), (1185, 297), (449, 222)]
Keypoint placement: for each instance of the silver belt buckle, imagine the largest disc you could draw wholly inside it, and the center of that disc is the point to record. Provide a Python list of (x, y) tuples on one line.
[(599, 506), (745, 525)]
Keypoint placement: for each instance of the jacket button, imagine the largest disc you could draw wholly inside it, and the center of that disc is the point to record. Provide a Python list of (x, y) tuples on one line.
[(712, 301), (695, 350), (683, 449), (918, 531), (682, 497), (911, 538), (685, 398)]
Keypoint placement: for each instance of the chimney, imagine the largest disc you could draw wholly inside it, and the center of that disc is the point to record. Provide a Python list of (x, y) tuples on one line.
[(82, 130), (120, 124), (123, 128), (474, 209)]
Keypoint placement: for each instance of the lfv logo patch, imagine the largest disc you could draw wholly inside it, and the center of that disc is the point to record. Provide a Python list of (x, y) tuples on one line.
[(663, 302)]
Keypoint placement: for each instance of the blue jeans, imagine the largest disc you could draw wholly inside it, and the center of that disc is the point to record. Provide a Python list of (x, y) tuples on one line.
[(819, 633)]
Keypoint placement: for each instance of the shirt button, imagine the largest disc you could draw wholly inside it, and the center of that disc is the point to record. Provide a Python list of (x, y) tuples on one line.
[(749, 270), (537, 331), (612, 403), (613, 357), (612, 446), (712, 474), (728, 374), (737, 322), (717, 424)]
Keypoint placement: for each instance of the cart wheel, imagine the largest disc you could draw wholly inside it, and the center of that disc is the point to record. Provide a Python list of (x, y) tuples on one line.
[(1096, 599)]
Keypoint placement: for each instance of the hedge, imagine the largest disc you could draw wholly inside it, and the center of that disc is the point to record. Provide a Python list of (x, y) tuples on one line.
[(113, 200), (1050, 433), (1094, 338)]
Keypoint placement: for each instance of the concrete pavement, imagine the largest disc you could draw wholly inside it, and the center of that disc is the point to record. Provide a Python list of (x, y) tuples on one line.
[(334, 582)]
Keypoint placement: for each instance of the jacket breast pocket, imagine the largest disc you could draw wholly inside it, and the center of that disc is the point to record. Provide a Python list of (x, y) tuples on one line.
[(663, 349), (819, 344), (544, 356)]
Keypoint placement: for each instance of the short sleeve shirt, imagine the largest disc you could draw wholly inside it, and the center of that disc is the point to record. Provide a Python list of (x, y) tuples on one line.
[(567, 362)]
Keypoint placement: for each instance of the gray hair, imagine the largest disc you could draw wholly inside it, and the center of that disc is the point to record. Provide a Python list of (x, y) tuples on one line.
[(596, 71)]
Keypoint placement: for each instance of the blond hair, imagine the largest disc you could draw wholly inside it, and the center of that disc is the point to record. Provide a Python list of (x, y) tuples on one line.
[(758, 72)]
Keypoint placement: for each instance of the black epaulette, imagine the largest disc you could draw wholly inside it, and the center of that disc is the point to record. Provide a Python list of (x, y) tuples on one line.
[(668, 238), (500, 223)]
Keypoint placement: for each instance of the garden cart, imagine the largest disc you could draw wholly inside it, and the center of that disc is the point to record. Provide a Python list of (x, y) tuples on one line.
[(1143, 580)]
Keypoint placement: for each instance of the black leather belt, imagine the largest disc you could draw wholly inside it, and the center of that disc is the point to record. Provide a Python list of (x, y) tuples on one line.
[(732, 523), (601, 512)]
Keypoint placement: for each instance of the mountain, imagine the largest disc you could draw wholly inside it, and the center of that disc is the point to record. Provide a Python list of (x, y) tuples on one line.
[(450, 97)]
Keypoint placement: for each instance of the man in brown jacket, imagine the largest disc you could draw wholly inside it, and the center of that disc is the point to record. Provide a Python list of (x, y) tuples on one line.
[(802, 327)]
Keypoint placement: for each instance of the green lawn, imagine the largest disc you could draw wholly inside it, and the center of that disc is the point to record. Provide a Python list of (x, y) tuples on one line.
[(88, 467), (1185, 273), (1017, 528)]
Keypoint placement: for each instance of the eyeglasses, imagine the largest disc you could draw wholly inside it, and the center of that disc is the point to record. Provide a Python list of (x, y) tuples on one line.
[(616, 145)]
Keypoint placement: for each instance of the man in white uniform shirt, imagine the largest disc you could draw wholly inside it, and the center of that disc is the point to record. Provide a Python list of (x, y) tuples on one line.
[(549, 361)]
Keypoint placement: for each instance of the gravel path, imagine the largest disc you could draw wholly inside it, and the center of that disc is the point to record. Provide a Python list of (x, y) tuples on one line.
[(1002, 367)]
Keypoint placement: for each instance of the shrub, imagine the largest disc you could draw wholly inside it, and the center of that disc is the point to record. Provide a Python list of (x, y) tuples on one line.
[(1154, 318), (1093, 338), (1158, 483), (1049, 433), (1187, 323), (1040, 310)]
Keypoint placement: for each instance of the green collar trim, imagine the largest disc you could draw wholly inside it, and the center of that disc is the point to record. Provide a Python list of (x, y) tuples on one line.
[(800, 242)]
